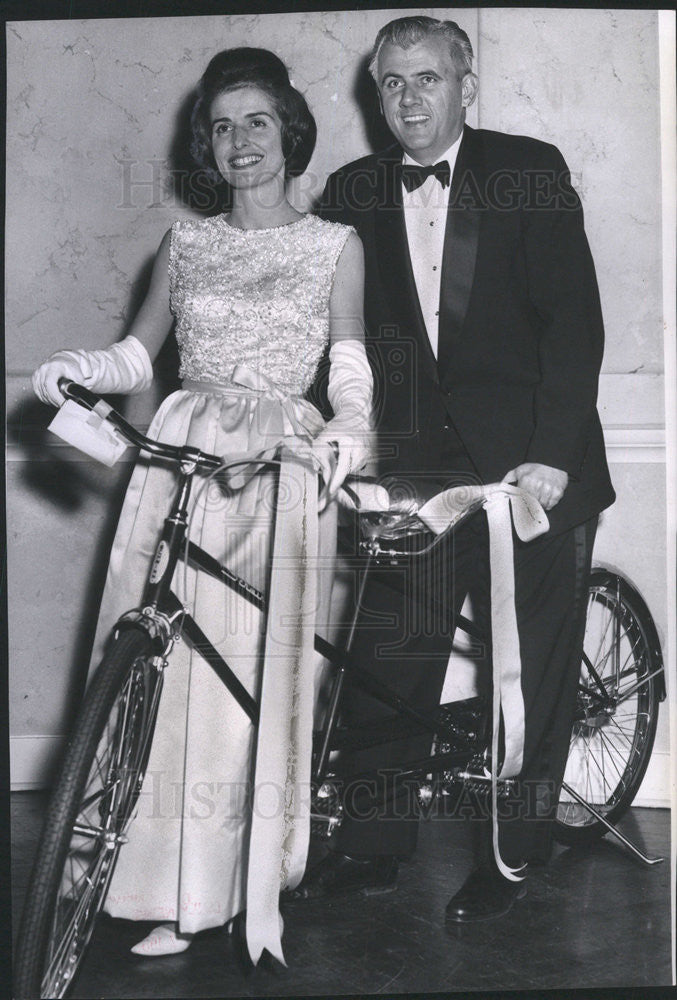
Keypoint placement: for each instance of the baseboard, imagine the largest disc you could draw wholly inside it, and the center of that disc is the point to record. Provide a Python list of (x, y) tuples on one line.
[(656, 788), (32, 757), (654, 791)]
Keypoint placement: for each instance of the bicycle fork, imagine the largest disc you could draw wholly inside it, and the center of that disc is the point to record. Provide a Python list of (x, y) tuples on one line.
[(164, 626)]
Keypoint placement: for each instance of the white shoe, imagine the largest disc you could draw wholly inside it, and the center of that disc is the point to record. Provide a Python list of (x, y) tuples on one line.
[(163, 940)]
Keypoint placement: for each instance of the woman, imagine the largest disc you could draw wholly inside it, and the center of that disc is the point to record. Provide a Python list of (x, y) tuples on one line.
[(257, 294)]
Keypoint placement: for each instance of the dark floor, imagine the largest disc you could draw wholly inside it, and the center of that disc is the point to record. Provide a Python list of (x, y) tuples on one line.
[(592, 918)]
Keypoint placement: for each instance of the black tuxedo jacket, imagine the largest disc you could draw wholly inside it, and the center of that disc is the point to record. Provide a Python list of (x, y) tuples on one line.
[(521, 334)]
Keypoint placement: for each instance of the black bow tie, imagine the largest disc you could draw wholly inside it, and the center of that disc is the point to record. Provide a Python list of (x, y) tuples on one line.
[(413, 175)]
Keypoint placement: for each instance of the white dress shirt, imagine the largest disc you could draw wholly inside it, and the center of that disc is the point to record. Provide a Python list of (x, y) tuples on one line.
[(425, 217)]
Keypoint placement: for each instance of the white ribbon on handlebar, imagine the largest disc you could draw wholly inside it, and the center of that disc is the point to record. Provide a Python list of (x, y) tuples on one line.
[(530, 520)]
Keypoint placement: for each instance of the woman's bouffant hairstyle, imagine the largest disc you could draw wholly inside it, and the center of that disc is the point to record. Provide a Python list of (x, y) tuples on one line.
[(245, 67)]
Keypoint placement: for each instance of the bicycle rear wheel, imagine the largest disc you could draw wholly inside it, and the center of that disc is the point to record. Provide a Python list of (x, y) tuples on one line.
[(89, 811), (617, 710)]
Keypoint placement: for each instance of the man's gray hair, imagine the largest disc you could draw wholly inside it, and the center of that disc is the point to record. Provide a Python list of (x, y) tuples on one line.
[(408, 31)]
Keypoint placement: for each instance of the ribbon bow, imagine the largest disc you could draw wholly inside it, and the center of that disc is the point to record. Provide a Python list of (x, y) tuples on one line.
[(276, 416), (414, 175)]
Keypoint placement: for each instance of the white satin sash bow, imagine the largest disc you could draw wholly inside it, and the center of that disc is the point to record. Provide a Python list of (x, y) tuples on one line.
[(530, 520)]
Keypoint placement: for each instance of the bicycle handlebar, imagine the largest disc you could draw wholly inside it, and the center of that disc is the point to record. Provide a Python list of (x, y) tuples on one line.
[(175, 453), (391, 525)]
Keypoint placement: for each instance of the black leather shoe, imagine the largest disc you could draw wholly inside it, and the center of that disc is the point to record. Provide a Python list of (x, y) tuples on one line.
[(485, 895), (337, 874)]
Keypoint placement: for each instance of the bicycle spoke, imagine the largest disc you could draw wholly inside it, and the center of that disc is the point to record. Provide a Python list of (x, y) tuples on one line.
[(595, 660), (626, 735), (624, 750), (616, 712), (611, 755), (115, 773), (594, 779), (631, 654), (121, 729), (628, 732), (91, 806), (72, 922), (584, 761)]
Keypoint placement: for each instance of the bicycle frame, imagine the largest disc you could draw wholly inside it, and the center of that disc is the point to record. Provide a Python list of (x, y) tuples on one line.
[(165, 619), (465, 756), (163, 616), (160, 605)]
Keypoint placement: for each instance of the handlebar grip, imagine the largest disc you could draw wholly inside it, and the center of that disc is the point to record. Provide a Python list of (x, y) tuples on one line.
[(72, 390), (78, 393)]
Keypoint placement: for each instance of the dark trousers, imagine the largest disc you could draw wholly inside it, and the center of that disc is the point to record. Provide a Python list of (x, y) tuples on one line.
[(404, 640)]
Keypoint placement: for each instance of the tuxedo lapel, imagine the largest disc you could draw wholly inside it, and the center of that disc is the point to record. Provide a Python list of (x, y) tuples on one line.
[(394, 261), (460, 245)]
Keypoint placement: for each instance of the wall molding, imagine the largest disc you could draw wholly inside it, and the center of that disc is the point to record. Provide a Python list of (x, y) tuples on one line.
[(624, 443), (635, 442)]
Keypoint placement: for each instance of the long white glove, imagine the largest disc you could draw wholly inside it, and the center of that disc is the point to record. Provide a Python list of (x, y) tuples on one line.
[(125, 367), (350, 393)]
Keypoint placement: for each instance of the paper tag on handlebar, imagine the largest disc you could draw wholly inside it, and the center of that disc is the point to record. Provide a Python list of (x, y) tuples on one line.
[(87, 432)]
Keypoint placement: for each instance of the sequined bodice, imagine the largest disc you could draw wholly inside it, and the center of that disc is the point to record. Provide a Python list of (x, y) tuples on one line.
[(255, 297)]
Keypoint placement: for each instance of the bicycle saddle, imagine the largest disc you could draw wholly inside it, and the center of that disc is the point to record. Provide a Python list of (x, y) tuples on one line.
[(392, 513)]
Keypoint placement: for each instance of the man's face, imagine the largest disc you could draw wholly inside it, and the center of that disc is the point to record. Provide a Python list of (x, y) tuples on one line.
[(422, 98)]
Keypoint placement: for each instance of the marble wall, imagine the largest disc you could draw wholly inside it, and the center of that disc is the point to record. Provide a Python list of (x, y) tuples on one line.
[(588, 81), (96, 114)]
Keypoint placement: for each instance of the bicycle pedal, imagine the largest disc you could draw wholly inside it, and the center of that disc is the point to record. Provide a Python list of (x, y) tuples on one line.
[(481, 783), (326, 811)]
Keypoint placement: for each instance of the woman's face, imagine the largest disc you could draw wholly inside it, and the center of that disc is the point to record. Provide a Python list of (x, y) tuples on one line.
[(246, 134)]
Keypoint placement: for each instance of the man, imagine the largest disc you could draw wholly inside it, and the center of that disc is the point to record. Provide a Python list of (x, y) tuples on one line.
[(484, 323)]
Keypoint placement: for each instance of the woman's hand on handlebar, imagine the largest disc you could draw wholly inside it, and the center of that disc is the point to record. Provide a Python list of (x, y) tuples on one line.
[(46, 378), (123, 367), (338, 455)]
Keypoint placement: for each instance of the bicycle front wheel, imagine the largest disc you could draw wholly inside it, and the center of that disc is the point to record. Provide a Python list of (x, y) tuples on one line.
[(617, 710), (89, 811)]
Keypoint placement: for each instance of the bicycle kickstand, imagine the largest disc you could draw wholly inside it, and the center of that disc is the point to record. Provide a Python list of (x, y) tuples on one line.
[(610, 827)]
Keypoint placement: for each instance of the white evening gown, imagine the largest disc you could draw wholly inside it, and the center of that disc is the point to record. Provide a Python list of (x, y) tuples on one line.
[(258, 299)]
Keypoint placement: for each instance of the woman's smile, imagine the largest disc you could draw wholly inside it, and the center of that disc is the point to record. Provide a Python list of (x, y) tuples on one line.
[(239, 162)]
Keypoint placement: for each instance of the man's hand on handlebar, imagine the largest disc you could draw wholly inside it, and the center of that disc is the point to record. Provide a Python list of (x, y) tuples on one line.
[(542, 481)]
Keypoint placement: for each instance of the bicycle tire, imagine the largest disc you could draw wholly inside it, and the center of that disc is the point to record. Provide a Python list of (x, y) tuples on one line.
[(97, 791), (615, 725)]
